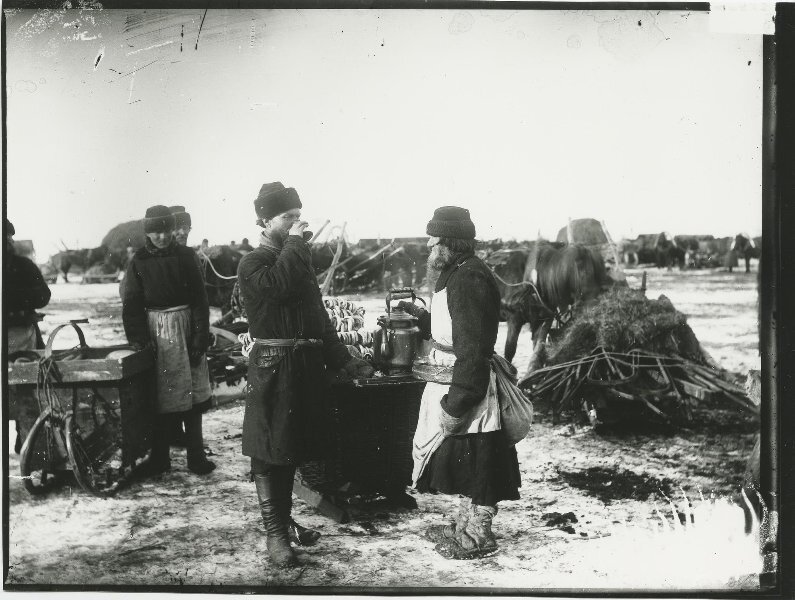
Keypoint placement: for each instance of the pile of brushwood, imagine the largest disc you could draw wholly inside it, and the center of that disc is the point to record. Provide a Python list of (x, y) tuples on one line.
[(624, 357)]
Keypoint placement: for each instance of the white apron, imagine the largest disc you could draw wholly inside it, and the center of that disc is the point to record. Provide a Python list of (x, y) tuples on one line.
[(483, 417)]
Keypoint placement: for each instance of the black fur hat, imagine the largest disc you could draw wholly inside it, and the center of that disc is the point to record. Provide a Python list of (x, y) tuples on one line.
[(274, 199), (158, 218), (181, 217)]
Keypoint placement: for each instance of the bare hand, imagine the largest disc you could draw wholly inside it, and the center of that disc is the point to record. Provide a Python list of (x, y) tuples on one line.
[(298, 228)]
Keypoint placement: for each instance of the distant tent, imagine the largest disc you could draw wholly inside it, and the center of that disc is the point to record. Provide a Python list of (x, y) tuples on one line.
[(584, 231), (591, 233), (130, 233)]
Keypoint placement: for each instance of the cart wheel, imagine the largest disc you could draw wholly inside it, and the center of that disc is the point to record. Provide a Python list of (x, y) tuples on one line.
[(43, 456), (87, 457)]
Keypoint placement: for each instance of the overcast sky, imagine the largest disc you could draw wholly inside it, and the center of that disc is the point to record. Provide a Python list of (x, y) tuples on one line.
[(643, 119)]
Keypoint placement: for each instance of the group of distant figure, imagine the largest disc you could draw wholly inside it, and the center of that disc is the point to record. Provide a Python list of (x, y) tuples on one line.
[(684, 252)]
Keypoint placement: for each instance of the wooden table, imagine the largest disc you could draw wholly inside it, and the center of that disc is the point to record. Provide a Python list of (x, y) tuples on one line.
[(373, 423)]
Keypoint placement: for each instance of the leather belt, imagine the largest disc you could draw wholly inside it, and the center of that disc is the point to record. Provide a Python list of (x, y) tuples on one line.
[(168, 308), (287, 343)]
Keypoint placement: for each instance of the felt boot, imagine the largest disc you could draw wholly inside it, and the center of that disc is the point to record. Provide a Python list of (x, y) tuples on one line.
[(197, 460), (476, 540), (271, 492), (177, 436), (159, 458), (439, 533)]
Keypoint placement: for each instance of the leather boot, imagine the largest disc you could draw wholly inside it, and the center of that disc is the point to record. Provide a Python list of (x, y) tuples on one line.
[(439, 533), (270, 492), (159, 458), (300, 536), (476, 540), (197, 460)]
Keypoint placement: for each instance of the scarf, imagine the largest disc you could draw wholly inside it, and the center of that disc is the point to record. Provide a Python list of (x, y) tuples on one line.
[(155, 251)]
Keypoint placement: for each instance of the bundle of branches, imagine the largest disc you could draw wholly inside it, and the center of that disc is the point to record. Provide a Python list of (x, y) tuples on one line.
[(604, 384), (624, 354), (623, 319)]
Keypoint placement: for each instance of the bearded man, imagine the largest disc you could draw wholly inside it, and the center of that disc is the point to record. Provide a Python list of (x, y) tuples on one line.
[(293, 342), (472, 458)]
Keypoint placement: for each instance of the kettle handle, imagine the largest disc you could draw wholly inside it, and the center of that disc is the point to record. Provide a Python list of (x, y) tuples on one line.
[(397, 294)]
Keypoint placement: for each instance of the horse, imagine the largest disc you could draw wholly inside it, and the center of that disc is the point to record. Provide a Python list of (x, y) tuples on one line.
[(540, 286), (219, 270), (742, 246), (668, 252)]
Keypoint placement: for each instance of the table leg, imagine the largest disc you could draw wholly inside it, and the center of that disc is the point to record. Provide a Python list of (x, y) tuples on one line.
[(317, 500)]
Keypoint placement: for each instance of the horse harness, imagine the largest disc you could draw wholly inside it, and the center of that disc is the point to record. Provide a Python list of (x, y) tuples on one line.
[(205, 260), (557, 315)]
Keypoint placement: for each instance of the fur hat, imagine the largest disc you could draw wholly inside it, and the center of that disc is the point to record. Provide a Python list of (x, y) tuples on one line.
[(10, 228), (274, 199), (158, 218), (451, 222), (181, 217)]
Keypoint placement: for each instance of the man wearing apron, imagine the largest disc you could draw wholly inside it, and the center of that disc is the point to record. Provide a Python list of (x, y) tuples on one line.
[(459, 447), (164, 306)]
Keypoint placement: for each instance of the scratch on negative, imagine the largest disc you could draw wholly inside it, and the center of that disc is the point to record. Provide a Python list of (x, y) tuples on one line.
[(200, 29), (166, 43), (138, 69)]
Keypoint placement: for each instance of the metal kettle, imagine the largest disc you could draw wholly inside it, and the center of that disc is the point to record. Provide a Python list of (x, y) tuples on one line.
[(397, 341)]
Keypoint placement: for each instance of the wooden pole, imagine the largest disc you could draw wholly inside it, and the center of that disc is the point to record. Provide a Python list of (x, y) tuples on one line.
[(350, 258), (619, 268), (319, 231), (330, 274)]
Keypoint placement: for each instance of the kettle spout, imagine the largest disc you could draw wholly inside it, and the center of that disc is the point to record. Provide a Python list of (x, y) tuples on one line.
[(385, 342)]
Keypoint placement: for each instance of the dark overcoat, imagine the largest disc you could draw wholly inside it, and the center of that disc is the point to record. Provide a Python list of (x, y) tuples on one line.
[(286, 420), (163, 278)]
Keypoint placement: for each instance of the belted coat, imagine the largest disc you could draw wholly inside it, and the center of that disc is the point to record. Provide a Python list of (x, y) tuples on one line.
[(286, 416)]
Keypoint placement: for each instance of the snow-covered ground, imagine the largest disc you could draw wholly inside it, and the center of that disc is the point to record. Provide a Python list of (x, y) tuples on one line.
[(180, 529)]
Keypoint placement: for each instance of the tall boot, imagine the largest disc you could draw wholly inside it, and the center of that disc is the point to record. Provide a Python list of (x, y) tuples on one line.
[(197, 461), (439, 533), (300, 536), (160, 457), (476, 541), (270, 492)]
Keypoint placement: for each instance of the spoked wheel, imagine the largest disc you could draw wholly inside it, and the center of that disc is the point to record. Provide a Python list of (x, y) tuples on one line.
[(44, 455), (94, 448), (89, 457)]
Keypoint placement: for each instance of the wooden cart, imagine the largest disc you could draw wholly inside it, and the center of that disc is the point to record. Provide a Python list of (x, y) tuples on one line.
[(84, 410)]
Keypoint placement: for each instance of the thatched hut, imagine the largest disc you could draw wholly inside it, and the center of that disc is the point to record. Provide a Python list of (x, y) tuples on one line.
[(129, 233), (588, 232), (592, 234)]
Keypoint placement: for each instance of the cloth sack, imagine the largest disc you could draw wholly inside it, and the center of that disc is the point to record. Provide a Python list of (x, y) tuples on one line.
[(516, 409)]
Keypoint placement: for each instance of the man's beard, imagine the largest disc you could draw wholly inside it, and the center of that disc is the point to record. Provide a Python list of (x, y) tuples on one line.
[(438, 261)]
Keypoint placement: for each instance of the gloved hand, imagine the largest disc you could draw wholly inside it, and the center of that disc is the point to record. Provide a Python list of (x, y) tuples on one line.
[(140, 345), (413, 309), (358, 367), (449, 424)]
